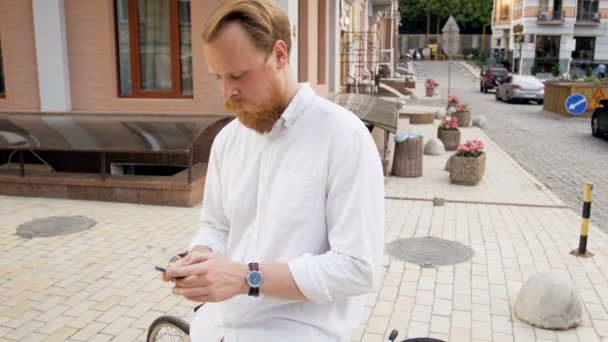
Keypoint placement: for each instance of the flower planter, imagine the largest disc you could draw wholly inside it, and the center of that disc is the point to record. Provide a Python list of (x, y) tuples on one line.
[(411, 84), (467, 170), (430, 92), (449, 138), (452, 104), (464, 118)]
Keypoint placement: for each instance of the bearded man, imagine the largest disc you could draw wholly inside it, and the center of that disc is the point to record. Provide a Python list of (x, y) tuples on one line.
[(291, 227)]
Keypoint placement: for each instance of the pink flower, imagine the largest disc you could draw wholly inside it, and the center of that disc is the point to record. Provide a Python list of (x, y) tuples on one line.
[(471, 148), (431, 83), (453, 98), (461, 107)]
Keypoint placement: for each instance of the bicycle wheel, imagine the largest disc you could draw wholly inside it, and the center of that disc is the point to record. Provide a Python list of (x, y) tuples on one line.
[(168, 328)]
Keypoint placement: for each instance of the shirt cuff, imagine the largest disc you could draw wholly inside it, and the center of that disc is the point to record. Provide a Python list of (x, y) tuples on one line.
[(302, 271), (214, 247)]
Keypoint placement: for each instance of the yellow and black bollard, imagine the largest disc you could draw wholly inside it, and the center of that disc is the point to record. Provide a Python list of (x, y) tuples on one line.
[(582, 245)]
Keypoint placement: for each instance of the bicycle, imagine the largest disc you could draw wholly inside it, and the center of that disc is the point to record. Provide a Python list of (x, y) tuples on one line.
[(171, 328), (178, 330), (168, 328)]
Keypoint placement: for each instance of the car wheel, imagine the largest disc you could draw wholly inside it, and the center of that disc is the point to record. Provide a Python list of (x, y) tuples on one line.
[(485, 89), (481, 87), (595, 126), (540, 102)]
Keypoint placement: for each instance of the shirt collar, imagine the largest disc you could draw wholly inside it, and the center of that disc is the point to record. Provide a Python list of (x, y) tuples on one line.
[(297, 104)]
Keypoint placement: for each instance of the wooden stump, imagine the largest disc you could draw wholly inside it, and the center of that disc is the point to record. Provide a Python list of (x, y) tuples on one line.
[(422, 119), (407, 161)]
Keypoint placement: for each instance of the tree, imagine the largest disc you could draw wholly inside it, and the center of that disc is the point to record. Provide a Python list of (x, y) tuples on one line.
[(471, 15)]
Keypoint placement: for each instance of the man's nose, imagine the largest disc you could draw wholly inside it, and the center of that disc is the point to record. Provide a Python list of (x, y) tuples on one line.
[(229, 91)]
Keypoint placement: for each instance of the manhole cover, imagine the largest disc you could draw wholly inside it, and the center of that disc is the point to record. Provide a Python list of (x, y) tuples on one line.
[(54, 226), (429, 251)]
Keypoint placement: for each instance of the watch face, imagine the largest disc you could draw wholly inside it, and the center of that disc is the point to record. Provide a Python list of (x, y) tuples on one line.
[(254, 279)]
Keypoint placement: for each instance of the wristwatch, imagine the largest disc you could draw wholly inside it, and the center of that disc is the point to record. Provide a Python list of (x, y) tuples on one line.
[(254, 279)]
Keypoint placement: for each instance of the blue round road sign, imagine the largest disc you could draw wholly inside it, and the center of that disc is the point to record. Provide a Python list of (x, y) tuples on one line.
[(576, 104)]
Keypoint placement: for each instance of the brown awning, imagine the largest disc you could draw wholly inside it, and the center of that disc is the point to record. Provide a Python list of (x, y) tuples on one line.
[(102, 132)]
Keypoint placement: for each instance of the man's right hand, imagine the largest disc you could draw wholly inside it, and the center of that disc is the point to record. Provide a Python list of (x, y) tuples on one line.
[(192, 257)]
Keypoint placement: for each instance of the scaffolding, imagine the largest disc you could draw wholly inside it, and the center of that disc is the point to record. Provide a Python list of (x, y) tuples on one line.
[(360, 62)]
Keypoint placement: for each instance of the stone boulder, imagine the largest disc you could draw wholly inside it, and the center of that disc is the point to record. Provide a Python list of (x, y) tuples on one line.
[(549, 300), (434, 147), (480, 122), (449, 162)]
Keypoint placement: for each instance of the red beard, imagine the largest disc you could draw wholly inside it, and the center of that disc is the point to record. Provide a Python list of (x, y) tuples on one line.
[(261, 118)]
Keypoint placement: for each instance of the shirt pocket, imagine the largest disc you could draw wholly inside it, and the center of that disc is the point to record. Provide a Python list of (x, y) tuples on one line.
[(291, 199)]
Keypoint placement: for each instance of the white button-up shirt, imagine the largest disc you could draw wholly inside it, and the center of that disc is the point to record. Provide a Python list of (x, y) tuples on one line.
[(310, 193)]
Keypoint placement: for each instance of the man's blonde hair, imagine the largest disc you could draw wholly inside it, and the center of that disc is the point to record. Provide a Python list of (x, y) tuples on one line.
[(263, 20)]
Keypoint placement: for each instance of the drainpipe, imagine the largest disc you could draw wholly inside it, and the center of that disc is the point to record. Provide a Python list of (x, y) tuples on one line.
[(392, 39)]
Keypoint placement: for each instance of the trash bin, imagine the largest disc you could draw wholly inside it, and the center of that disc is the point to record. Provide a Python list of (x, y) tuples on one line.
[(407, 161)]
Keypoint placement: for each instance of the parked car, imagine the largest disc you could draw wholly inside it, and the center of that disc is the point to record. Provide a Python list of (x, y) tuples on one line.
[(599, 120), (520, 87), (492, 78)]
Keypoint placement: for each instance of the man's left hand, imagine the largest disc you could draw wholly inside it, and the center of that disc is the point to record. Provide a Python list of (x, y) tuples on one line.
[(209, 278)]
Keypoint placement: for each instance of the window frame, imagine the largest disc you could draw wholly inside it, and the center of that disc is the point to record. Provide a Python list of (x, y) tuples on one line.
[(2, 93), (135, 75), (582, 13), (579, 48)]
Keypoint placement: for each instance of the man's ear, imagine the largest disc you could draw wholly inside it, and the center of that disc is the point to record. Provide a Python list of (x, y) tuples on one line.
[(281, 54)]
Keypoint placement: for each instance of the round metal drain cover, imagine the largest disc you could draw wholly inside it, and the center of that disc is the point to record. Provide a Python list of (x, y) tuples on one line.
[(54, 226), (429, 251)]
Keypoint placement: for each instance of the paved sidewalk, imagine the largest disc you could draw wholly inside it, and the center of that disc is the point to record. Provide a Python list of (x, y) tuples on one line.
[(100, 285), (473, 301)]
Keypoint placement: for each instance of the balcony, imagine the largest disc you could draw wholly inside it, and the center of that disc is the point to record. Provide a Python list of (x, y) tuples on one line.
[(588, 18), (551, 18)]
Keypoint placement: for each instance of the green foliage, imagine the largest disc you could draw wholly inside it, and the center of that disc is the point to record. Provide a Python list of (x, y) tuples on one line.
[(470, 15), (588, 71), (557, 70), (533, 70), (591, 79)]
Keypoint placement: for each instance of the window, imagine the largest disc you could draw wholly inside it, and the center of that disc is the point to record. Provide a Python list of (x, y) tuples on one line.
[(2, 91), (154, 48), (585, 47), (547, 53), (588, 10), (504, 10), (519, 9)]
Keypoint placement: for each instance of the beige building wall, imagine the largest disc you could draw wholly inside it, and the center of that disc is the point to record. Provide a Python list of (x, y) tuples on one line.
[(92, 58), (91, 37), (18, 57), (313, 44)]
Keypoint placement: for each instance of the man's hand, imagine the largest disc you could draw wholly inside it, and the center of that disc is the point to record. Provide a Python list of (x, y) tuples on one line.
[(194, 253), (207, 277)]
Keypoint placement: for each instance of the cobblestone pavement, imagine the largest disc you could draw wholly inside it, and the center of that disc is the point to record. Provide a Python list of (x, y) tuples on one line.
[(558, 151)]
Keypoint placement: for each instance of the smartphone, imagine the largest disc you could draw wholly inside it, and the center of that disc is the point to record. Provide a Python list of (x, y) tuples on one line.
[(160, 269)]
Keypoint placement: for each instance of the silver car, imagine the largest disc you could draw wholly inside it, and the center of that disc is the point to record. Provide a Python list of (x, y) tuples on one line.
[(520, 87)]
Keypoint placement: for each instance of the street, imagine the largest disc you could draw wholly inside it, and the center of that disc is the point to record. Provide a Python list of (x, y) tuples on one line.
[(558, 151)]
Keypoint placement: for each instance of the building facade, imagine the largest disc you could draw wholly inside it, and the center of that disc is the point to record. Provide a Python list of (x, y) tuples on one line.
[(538, 35), (129, 56), (145, 56), (370, 39)]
